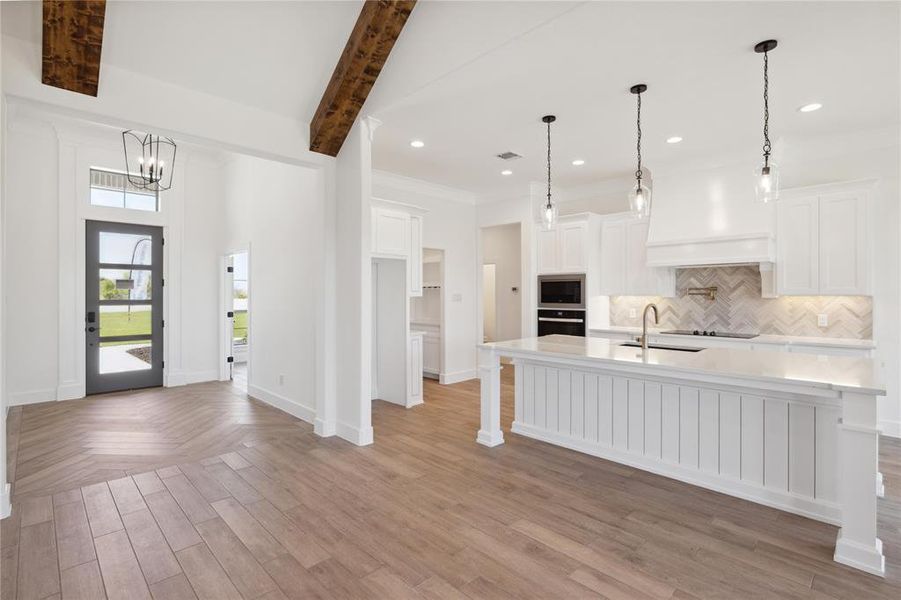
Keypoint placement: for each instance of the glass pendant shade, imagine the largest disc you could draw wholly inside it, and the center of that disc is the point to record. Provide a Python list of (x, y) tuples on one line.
[(640, 200), (548, 216), (767, 186)]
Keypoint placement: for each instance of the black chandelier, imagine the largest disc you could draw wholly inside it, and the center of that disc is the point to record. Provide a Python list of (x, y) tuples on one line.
[(149, 160), (549, 210), (640, 195), (767, 174)]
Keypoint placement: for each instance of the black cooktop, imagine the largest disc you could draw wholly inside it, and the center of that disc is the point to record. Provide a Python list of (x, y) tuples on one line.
[(743, 336)]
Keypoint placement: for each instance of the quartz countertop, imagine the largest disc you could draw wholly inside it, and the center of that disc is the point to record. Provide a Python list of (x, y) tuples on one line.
[(778, 340), (840, 373)]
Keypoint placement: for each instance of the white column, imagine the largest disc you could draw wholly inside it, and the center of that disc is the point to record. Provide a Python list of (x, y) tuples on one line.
[(490, 433), (857, 545)]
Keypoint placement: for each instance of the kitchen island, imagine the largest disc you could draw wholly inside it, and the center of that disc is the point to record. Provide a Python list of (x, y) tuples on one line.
[(793, 431)]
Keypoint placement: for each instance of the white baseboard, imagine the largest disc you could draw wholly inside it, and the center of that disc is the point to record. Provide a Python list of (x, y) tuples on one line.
[(287, 405), (354, 435), (5, 506), (457, 376), (890, 428), (323, 428), (32, 397), (179, 378), (70, 391)]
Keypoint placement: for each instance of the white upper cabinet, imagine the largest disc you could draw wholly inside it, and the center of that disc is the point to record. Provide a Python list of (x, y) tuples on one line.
[(548, 251), (573, 244), (390, 232), (397, 233), (565, 248), (624, 254), (824, 246)]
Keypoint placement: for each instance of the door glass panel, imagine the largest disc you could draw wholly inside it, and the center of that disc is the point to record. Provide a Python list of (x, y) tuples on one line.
[(125, 284), (239, 298), (125, 248), (125, 320), (119, 357)]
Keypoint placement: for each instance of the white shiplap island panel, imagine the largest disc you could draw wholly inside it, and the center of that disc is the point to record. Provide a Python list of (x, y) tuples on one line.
[(767, 427)]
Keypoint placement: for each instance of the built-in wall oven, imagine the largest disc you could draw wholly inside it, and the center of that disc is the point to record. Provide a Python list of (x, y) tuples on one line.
[(561, 291), (561, 304), (564, 322)]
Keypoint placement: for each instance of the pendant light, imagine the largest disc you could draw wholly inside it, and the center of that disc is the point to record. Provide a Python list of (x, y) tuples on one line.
[(767, 174), (149, 160), (640, 196), (549, 210)]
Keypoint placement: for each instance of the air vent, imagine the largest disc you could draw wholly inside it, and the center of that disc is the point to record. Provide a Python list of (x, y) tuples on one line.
[(508, 155)]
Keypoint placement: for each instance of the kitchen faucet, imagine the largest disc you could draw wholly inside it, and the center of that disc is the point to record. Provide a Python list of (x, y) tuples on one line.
[(644, 324)]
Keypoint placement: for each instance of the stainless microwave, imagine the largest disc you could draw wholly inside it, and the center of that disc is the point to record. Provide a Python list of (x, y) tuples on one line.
[(561, 291)]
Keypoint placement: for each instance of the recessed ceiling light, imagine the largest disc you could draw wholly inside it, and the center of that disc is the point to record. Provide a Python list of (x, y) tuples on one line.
[(578, 162), (811, 107), (417, 143), (673, 140), (506, 172)]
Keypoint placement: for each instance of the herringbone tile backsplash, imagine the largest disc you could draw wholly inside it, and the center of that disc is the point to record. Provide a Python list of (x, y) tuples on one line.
[(739, 308)]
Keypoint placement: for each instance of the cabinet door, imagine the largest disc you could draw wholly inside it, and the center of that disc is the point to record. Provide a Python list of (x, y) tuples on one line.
[(548, 257), (415, 370), (798, 247), (640, 279), (431, 362), (843, 244), (613, 260), (390, 232), (414, 264), (573, 241)]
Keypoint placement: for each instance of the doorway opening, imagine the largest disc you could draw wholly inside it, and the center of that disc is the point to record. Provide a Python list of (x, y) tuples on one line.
[(427, 312), (123, 307), (501, 298), (236, 324), (390, 332)]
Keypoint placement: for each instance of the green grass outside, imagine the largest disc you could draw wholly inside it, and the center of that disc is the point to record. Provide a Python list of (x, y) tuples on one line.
[(241, 326), (119, 323)]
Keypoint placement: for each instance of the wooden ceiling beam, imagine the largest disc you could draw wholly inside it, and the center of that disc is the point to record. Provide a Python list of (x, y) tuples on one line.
[(73, 37), (373, 36)]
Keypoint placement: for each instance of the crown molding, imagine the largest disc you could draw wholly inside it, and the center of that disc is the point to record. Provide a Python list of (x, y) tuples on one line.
[(403, 183)]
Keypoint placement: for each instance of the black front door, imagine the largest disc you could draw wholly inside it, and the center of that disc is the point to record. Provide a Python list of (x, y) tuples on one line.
[(124, 306)]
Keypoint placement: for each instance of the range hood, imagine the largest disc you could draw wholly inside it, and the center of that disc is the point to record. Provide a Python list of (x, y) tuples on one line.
[(724, 250), (709, 217)]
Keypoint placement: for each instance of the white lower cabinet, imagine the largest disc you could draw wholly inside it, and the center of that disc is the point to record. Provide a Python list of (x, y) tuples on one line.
[(431, 356)]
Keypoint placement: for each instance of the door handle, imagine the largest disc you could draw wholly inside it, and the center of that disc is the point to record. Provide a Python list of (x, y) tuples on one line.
[(92, 329)]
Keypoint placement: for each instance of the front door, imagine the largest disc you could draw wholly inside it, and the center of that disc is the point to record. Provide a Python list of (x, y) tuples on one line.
[(124, 306)]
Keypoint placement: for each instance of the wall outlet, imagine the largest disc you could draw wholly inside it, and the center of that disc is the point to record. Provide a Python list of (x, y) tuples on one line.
[(823, 320), (281, 380), (633, 313)]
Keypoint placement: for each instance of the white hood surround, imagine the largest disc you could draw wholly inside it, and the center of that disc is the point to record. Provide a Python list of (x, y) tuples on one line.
[(710, 217)]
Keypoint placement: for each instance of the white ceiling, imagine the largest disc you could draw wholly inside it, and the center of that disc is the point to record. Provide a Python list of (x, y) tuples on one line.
[(474, 94), (472, 79), (277, 56)]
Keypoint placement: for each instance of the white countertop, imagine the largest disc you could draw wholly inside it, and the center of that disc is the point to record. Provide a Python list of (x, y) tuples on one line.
[(779, 340), (841, 373)]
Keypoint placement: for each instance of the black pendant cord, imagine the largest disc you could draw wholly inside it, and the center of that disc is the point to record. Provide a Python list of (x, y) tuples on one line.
[(767, 147), (549, 205), (638, 143)]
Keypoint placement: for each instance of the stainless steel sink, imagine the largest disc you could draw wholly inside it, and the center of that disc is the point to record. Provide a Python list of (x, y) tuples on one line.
[(663, 347)]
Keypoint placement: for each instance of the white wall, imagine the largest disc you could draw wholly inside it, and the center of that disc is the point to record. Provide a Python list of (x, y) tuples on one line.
[(4, 486), (47, 201), (501, 246), (449, 225), (275, 210)]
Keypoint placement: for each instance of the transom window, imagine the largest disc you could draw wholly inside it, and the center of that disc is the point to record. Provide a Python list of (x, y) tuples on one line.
[(109, 188)]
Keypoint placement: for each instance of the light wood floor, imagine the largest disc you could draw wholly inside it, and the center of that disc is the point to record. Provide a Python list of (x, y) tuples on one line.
[(198, 492)]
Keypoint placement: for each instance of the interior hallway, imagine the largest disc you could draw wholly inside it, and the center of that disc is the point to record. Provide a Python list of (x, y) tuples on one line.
[(119, 495)]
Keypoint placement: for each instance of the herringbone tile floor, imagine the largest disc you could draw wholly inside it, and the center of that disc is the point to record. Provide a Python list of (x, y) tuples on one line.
[(211, 495)]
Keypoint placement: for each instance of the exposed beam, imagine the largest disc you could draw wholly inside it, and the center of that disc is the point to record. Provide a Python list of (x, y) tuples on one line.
[(73, 36), (377, 28)]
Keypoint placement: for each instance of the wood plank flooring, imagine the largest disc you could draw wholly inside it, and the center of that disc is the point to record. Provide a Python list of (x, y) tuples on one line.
[(198, 492)]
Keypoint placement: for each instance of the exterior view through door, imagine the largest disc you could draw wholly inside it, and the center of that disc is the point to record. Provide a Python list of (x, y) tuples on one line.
[(123, 306)]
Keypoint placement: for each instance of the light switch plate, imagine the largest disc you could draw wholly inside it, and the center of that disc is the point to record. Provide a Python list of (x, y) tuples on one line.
[(823, 320), (457, 297)]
